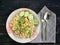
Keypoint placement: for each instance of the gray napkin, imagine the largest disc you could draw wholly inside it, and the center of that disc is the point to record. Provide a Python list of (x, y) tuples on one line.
[(51, 27)]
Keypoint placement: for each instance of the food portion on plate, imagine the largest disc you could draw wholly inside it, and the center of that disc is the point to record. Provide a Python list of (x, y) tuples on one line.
[(23, 24)]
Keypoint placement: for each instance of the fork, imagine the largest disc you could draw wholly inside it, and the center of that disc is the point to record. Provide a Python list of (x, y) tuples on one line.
[(44, 19)]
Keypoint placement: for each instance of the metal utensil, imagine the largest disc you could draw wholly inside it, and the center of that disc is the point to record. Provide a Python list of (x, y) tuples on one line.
[(44, 23)]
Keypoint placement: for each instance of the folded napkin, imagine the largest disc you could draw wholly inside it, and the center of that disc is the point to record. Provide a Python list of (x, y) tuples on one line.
[(51, 27)]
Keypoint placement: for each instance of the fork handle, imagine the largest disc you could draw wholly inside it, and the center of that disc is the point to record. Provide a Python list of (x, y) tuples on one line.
[(45, 31)]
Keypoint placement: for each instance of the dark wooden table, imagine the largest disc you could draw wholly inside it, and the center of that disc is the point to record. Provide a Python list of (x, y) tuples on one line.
[(7, 6)]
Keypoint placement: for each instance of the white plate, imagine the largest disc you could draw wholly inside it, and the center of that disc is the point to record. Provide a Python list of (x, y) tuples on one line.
[(10, 33)]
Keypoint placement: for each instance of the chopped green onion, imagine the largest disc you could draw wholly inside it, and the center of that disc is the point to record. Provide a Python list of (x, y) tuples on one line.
[(21, 13), (17, 27), (35, 22), (30, 17), (30, 33), (24, 29), (26, 14), (21, 20)]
